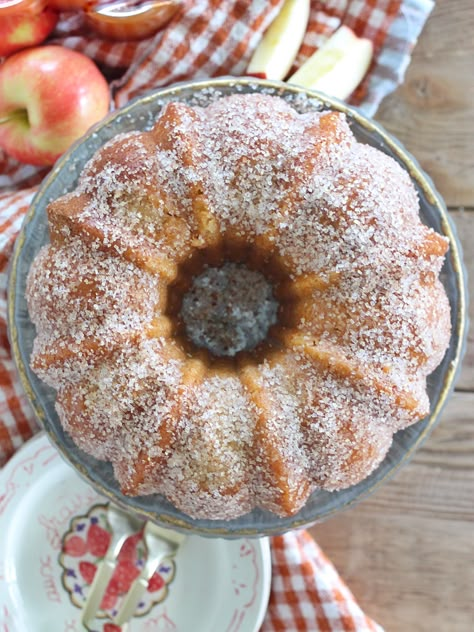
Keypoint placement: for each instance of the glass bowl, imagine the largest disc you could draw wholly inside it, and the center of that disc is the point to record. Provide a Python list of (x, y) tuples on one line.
[(138, 115)]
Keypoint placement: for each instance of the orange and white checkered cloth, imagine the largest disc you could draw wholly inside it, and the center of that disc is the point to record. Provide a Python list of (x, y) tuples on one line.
[(209, 38)]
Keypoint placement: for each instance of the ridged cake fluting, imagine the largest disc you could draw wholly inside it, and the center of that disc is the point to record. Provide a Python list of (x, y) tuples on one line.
[(363, 317)]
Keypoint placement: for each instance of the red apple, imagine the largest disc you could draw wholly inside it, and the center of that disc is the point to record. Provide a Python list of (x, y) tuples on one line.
[(25, 29), (49, 97)]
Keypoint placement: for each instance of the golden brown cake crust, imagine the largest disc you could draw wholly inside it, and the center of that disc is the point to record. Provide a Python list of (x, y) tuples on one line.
[(363, 318)]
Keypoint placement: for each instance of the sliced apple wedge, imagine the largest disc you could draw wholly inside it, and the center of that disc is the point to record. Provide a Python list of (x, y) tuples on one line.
[(277, 51), (338, 67)]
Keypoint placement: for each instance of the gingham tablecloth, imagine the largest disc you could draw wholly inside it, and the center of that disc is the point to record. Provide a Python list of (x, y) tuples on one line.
[(209, 38)]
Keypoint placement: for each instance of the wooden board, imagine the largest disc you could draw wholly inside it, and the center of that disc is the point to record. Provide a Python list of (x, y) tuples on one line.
[(407, 552), (433, 112)]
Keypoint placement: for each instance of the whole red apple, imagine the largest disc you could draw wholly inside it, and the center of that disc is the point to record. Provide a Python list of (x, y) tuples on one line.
[(49, 97), (25, 29)]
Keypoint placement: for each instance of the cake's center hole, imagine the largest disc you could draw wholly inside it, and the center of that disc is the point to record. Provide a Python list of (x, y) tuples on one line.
[(228, 309)]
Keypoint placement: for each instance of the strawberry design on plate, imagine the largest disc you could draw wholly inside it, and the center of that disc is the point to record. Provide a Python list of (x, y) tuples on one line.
[(84, 547), (98, 540), (87, 571)]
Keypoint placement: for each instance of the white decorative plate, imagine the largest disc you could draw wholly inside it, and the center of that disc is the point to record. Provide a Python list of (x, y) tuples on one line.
[(53, 534)]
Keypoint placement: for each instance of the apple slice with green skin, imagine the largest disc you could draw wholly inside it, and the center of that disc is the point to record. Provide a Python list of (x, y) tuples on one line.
[(338, 67), (277, 51), (25, 29), (49, 97)]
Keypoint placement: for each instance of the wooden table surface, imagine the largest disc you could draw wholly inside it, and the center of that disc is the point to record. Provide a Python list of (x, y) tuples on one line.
[(407, 552)]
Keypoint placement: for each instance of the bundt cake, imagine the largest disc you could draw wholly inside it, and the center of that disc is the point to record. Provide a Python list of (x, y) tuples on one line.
[(239, 306)]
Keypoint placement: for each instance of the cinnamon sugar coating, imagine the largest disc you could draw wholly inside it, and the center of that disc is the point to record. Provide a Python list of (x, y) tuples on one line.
[(362, 321)]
